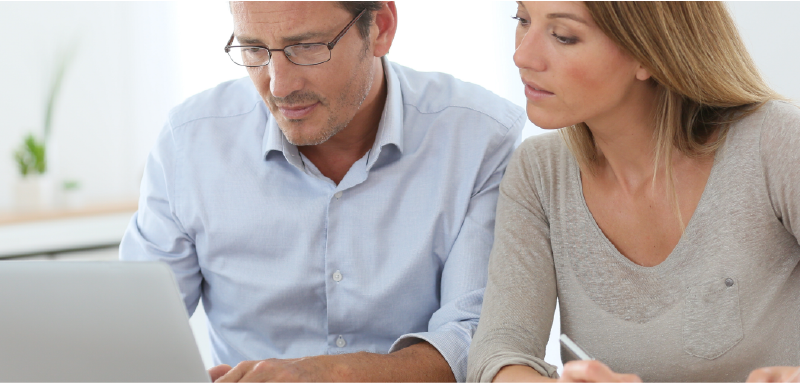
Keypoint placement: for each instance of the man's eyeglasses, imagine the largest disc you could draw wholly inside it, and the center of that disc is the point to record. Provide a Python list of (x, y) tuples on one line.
[(300, 54)]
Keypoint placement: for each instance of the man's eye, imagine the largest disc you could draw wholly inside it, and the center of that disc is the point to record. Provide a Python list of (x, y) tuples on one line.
[(303, 46), (522, 22)]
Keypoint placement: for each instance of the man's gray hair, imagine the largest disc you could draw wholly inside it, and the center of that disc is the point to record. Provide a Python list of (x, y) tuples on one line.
[(355, 7)]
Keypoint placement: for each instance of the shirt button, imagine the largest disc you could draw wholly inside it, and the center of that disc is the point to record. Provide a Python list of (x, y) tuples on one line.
[(337, 276), (338, 195), (340, 342), (729, 282)]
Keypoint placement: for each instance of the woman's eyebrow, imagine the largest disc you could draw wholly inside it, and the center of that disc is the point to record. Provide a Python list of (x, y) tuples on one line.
[(567, 16)]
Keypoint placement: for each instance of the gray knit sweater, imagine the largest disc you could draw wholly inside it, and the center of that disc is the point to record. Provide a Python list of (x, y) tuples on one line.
[(726, 300)]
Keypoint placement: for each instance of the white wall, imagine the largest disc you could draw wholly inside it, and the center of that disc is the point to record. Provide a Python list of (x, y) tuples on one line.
[(772, 35), (203, 28), (117, 90), (473, 41)]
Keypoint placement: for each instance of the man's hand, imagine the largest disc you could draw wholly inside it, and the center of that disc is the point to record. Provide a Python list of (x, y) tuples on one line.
[(419, 362), (311, 369), (775, 374), (217, 372)]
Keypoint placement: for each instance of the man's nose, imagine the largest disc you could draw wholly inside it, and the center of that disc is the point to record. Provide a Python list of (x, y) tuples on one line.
[(285, 77), (530, 53)]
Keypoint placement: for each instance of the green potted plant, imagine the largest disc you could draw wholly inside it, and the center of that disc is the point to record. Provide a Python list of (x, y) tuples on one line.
[(35, 187)]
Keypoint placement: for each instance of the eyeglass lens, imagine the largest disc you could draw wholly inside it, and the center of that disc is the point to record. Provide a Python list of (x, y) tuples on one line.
[(301, 54)]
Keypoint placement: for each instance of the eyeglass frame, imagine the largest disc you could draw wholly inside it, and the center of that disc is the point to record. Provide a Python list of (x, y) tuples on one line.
[(330, 46)]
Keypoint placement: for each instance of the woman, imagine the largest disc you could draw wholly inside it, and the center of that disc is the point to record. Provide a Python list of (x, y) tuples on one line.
[(665, 218)]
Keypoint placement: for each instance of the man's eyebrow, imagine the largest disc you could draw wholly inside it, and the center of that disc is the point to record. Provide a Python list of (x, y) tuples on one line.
[(249, 41), (306, 37), (566, 16), (287, 40)]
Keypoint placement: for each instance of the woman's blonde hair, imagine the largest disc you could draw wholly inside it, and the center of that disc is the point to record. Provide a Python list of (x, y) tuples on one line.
[(704, 76)]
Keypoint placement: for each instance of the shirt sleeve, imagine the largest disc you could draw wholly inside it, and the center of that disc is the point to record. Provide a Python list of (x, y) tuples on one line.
[(155, 233), (521, 290), (463, 279), (780, 155)]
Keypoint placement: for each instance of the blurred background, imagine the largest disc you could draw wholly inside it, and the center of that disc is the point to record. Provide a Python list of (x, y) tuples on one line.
[(85, 88)]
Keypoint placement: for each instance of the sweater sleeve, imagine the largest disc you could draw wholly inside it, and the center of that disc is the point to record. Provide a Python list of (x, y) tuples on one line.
[(520, 295), (780, 156)]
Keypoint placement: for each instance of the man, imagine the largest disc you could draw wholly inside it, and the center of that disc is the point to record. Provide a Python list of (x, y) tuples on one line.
[(334, 211)]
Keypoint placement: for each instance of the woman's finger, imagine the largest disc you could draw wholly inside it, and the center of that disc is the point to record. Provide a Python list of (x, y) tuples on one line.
[(775, 374)]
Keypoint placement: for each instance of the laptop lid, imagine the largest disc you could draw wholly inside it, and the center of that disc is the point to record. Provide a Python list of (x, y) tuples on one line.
[(94, 321)]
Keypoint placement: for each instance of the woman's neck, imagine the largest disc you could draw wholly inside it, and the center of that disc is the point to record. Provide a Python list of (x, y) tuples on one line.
[(625, 142)]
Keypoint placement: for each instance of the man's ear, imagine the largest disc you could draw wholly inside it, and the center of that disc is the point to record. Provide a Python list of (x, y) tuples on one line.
[(384, 28)]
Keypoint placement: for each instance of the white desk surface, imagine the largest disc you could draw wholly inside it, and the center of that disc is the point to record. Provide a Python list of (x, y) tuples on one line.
[(63, 232)]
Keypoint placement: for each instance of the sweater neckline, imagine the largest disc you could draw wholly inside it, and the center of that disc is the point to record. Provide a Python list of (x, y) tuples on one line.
[(677, 256)]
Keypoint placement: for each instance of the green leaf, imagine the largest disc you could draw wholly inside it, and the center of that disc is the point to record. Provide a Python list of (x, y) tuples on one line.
[(22, 162), (64, 60), (71, 185), (31, 156)]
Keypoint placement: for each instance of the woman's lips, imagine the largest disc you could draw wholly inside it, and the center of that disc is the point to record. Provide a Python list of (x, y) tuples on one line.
[(297, 112), (534, 93)]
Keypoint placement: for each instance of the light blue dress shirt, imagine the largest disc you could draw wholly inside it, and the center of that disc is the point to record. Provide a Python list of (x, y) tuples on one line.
[(289, 264)]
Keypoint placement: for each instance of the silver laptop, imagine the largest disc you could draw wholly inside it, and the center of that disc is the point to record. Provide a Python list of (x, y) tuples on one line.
[(94, 321)]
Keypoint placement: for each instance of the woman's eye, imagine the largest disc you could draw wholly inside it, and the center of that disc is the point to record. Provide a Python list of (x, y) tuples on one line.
[(523, 22), (564, 40)]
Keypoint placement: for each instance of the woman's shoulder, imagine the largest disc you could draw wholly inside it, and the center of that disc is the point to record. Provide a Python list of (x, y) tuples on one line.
[(547, 148), (779, 149), (780, 110), (781, 118), (764, 131), (770, 130), (539, 165), (771, 117)]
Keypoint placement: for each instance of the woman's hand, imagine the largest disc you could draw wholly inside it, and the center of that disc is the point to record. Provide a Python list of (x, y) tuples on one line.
[(593, 371), (775, 374)]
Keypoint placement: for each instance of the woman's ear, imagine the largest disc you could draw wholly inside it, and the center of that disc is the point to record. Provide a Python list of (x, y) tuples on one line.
[(642, 73)]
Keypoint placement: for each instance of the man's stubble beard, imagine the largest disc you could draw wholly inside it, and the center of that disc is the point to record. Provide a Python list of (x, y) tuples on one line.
[(352, 97)]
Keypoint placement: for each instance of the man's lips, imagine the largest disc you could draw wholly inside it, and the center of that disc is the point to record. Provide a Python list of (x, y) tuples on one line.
[(534, 92), (297, 112)]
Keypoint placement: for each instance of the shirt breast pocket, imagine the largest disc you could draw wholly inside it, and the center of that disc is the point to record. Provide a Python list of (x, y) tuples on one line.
[(712, 322)]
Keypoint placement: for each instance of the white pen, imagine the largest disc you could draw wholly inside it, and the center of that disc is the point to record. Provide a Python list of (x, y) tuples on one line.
[(572, 347)]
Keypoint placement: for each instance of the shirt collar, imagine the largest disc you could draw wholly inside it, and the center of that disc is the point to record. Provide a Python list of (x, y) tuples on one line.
[(274, 140), (390, 127)]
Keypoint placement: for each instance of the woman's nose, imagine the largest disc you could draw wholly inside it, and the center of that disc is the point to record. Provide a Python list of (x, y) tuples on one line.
[(530, 53)]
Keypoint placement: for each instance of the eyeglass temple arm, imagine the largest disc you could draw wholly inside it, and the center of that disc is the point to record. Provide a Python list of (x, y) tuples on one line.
[(227, 46), (330, 44), (342, 33)]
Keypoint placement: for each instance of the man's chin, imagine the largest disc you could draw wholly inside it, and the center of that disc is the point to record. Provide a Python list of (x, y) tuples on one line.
[(299, 139), (308, 133), (306, 142)]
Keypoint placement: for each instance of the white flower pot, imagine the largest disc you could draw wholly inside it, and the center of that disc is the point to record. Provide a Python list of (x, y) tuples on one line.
[(34, 192)]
